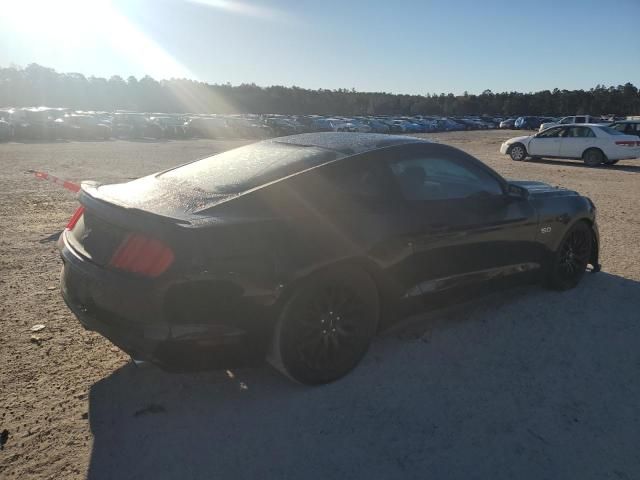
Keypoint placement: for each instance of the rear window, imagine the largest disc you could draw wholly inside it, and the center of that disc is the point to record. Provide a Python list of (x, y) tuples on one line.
[(610, 131), (247, 167)]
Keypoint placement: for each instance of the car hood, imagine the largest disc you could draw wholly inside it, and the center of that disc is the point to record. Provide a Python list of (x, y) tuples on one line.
[(541, 189), (518, 139)]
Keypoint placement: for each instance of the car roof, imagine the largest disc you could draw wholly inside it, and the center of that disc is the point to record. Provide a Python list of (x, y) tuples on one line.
[(348, 143)]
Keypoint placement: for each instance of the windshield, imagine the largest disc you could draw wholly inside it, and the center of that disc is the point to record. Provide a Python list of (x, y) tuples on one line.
[(247, 167)]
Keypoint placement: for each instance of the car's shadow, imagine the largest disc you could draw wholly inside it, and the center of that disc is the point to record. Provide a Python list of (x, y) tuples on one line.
[(51, 238), (522, 384), (580, 164)]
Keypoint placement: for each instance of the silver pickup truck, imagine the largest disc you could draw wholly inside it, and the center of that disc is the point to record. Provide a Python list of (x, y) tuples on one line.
[(571, 120)]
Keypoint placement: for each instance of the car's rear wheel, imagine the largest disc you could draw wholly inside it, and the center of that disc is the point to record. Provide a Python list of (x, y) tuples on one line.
[(570, 260), (610, 162), (326, 326), (593, 157), (517, 152)]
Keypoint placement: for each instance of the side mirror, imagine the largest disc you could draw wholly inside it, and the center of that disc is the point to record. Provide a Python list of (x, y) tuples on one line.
[(515, 191)]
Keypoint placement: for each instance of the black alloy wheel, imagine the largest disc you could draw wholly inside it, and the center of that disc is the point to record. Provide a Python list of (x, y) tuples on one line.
[(326, 327), (572, 257)]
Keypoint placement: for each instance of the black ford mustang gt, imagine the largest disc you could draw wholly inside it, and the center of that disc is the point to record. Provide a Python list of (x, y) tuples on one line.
[(297, 248)]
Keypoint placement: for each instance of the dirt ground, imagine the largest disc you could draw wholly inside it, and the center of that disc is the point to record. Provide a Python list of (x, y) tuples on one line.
[(525, 383)]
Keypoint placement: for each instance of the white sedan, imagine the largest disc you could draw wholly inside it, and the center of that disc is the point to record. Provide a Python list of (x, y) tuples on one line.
[(594, 144)]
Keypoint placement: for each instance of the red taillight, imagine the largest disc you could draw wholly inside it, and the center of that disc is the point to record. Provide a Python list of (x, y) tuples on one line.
[(627, 143), (75, 217), (142, 255)]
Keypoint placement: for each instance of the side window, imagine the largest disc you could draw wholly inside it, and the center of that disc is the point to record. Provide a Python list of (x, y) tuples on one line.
[(580, 120), (346, 185), (552, 133), (362, 182), (428, 178), (619, 126), (565, 120), (580, 132)]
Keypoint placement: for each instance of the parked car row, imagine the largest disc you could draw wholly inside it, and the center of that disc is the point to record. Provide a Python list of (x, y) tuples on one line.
[(542, 123), (526, 122), (50, 124)]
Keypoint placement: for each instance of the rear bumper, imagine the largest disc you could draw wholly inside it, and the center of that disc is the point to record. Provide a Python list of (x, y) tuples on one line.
[(620, 154), (140, 340), (132, 313)]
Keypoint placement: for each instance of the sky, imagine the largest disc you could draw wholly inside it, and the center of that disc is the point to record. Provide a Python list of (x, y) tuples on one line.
[(410, 46)]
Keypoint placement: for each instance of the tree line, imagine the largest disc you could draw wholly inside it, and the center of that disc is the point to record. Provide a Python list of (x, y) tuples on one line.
[(36, 85)]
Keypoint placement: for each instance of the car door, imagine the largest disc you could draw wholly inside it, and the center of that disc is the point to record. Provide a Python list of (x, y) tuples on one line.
[(576, 140), (547, 142), (464, 227), (351, 210)]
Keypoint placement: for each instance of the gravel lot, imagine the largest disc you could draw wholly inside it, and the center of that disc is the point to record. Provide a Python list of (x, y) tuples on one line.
[(524, 383)]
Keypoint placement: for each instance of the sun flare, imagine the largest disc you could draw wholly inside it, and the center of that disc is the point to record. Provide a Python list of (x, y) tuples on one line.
[(73, 25)]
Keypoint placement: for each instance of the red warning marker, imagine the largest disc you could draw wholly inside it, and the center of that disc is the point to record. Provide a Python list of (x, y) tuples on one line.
[(73, 187)]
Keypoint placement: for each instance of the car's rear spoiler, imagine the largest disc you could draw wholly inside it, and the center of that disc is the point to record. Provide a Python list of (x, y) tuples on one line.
[(128, 217)]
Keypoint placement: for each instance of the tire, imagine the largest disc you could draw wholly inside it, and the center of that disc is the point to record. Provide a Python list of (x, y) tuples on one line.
[(326, 326), (517, 152), (610, 162), (569, 262), (593, 157)]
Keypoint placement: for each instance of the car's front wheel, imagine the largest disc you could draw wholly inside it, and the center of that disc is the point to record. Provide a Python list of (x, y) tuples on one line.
[(610, 162), (326, 326), (517, 152), (570, 260)]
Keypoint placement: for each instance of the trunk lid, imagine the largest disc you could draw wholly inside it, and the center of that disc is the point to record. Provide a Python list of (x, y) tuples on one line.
[(113, 212), (158, 209), (153, 195)]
